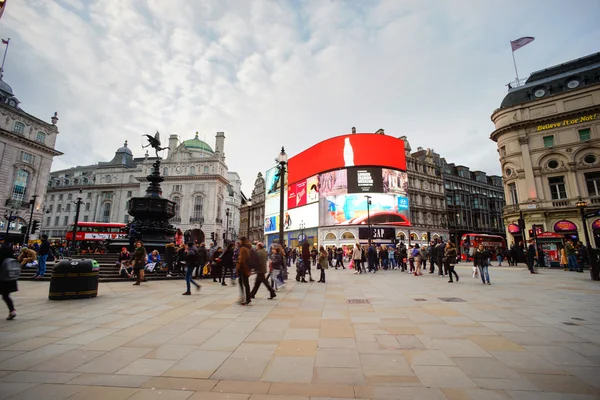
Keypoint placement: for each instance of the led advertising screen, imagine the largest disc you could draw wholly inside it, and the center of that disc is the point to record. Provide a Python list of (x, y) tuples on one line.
[(345, 151), (394, 181), (365, 180), (273, 182), (307, 215), (351, 209), (303, 192), (333, 183)]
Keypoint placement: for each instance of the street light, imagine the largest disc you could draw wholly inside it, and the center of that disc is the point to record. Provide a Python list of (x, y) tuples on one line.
[(302, 225), (32, 203), (78, 205), (227, 226), (582, 204), (369, 215), (282, 159)]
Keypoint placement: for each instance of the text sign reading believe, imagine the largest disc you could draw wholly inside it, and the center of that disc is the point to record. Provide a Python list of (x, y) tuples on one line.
[(566, 122)]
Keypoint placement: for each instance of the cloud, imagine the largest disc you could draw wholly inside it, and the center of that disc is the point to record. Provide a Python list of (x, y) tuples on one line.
[(273, 73)]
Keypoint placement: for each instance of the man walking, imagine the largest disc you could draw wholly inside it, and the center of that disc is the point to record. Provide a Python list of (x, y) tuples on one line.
[(191, 261), (339, 255), (42, 257), (531, 251), (439, 256), (261, 272), (202, 260), (571, 255)]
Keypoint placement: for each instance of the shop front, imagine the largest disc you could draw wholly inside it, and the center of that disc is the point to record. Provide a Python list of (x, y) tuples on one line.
[(567, 230), (550, 243), (515, 231), (596, 233)]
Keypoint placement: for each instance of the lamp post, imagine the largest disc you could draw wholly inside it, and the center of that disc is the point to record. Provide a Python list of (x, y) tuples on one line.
[(282, 160), (302, 225), (369, 216), (9, 218), (581, 205), (78, 205), (227, 226), (32, 203)]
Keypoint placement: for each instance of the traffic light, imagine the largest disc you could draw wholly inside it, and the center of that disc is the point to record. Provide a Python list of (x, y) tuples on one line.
[(24, 229), (212, 236), (35, 226)]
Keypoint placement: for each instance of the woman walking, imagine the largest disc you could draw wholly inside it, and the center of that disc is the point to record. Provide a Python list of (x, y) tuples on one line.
[(7, 287), (306, 262), (277, 257), (357, 257), (480, 260), (140, 257), (226, 261), (322, 264), (450, 260), (416, 253)]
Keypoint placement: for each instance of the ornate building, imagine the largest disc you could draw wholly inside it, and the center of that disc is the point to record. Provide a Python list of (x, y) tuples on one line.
[(196, 180), (26, 154), (426, 195), (253, 213), (548, 136)]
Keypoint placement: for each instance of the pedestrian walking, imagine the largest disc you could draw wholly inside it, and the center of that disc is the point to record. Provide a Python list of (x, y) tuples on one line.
[(306, 261), (439, 257), (140, 258), (571, 255), (323, 265), (7, 284), (481, 260), (191, 262), (43, 253), (531, 254), (339, 254), (277, 266), (243, 271), (357, 258), (417, 259), (227, 263), (450, 260), (261, 272)]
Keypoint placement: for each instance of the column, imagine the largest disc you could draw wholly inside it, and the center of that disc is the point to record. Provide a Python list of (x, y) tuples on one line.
[(528, 168)]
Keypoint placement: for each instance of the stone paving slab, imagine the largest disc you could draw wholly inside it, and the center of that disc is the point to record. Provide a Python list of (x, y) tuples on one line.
[(524, 337)]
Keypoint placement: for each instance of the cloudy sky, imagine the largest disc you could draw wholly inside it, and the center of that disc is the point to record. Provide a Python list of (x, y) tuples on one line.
[(272, 73)]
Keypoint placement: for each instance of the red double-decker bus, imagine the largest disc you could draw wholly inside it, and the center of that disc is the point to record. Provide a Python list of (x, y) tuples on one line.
[(96, 232), (471, 241)]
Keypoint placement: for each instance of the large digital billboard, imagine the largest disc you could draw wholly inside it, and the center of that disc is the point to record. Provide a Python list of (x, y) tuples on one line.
[(307, 215), (351, 209), (394, 181), (304, 192), (357, 150), (332, 183), (365, 180)]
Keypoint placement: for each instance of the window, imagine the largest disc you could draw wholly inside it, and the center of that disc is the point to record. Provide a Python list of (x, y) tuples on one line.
[(177, 188), (89, 195), (40, 137), (68, 207), (86, 218), (66, 220), (584, 134), (165, 171), (512, 189), (177, 201), (70, 196), (198, 208), (56, 221), (503, 151), (558, 190), (20, 186), (192, 170), (87, 206), (126, 219), (19, 128), (129, 193), (27, 157), (401, 236), (48, 220), (206, 169), (592, 180), (548, 141), (106, 212), (60, 197), (52, 198)]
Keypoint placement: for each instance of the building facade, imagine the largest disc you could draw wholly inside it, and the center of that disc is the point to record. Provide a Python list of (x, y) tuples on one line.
[(26, 155), (548, 136), (253, 213), (426, 193), (196, 180)]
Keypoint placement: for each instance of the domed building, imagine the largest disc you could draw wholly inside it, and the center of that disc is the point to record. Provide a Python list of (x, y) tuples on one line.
[(197, 180), (27, 148)]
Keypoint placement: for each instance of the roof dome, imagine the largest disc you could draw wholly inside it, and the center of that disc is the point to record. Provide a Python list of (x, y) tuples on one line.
[(124, 149), (196, 143), (4, 87)]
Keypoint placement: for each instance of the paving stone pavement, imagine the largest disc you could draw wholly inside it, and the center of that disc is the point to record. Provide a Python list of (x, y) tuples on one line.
[(525, 337)]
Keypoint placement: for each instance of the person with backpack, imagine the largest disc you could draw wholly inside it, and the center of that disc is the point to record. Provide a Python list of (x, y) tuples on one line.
[(416, 255), (9, 274), (243, 268), (191, 262), (261, 272)]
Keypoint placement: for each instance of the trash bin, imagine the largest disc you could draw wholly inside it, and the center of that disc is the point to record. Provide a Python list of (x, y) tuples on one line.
[(74, 279)]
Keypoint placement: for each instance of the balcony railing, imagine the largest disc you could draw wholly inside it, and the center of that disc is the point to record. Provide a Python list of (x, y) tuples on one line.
[(219, 220), (196, 220), (561, 204)]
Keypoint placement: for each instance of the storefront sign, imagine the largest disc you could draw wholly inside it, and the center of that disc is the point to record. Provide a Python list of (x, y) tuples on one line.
[(567, 122), (531, 206), (513, 228), (564, 226), (596, 224), (377, 233)]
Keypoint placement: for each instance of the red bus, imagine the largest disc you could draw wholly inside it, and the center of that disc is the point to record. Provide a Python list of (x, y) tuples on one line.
[(96, 231), (470, 241)]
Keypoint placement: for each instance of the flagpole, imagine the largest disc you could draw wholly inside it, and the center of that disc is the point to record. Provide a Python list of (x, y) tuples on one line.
[(515, 63), (4, 58)]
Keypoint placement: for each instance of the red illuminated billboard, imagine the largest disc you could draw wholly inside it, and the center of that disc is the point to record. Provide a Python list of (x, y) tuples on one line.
[(355, 150)]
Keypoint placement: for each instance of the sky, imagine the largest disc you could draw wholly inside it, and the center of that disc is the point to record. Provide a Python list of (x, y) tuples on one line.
[(272, 73)]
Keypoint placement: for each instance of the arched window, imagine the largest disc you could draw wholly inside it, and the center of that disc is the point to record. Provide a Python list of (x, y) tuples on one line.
[(20, 186), (330, 236), (424, 236), (192, 170), (106, 212), (166, 171), (401, 236), (177, 201), (206, 169), (413, 236), (198, 209), (19, 128), (348, 235), (40, 137)]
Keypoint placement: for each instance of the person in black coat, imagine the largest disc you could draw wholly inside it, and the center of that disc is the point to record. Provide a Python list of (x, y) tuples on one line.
[(8, 287), (531, 252), (226, 261)]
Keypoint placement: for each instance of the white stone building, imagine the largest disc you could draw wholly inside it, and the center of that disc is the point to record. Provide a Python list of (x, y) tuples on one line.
[(26, 154), (196, 179)]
